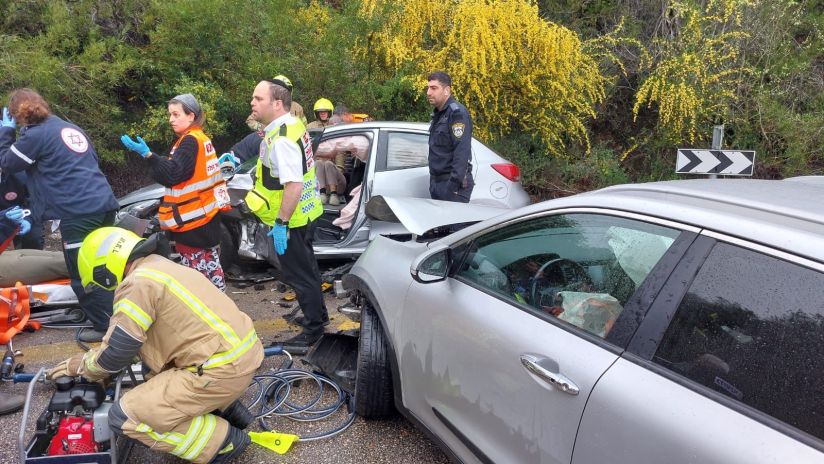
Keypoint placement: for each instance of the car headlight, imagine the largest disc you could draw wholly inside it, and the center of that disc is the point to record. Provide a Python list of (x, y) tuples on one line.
[(140, 209)]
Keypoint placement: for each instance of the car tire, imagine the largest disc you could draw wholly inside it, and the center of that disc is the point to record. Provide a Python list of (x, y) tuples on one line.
[(373, 385), (228, 247)]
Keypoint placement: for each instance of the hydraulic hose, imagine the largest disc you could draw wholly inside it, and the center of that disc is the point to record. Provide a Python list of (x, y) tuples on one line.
[(272, 399)]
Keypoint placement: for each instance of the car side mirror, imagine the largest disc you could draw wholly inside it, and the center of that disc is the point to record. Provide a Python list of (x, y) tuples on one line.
[(432, 266)]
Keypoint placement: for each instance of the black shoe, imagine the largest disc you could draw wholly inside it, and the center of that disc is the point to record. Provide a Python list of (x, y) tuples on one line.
[(91, 336), (238, 415), (11, 403), (236, 441), (299, 320), (300, 344)]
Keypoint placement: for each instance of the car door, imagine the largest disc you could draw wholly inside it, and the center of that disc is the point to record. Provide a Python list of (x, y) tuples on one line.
[(499, 359), (728, 366)]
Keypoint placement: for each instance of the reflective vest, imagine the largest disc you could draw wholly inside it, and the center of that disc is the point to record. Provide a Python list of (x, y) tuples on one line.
[(266, 196), (194, 202)]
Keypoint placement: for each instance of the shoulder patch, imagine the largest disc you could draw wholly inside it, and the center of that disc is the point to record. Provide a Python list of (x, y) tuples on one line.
[(74, 140), (458, 129)]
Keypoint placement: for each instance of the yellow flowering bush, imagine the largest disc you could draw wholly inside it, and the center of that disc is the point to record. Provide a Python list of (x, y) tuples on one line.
[(511, 68), (696, 78)]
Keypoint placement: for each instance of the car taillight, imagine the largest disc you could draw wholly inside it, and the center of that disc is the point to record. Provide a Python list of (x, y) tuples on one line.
[(508, 170)]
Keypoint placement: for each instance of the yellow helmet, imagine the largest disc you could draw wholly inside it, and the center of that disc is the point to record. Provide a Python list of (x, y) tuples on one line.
[(103, 256), (324, 105), (280, 78)]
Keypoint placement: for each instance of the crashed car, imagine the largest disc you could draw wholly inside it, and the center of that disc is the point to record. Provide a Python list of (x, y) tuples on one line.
[(674, 322), (396, 165)]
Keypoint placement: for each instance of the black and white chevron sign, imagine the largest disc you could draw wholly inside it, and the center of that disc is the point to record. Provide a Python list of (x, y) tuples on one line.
[(726, 162)]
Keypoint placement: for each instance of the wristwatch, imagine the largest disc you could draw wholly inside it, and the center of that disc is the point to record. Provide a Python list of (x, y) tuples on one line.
[(281, 222)]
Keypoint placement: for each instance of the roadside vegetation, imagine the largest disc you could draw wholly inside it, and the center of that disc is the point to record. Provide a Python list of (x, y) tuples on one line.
[(581, 94)]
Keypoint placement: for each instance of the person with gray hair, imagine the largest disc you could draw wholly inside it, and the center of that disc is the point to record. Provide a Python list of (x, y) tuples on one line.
[(195, 189)]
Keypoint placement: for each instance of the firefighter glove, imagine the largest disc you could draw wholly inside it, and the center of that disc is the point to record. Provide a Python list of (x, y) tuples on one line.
[(67, 368), (8, 119), (280, 235), (138, 147)]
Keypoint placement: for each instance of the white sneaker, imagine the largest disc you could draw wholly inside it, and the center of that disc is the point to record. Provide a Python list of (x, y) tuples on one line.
[(324, 199), (333, 199)]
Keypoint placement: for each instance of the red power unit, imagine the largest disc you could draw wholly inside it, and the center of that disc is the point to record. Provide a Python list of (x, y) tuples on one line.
[(75, 435)]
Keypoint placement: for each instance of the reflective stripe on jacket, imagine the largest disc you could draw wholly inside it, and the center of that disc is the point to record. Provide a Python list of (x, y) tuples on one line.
[(182, 321), (266, 196), (193, 203)]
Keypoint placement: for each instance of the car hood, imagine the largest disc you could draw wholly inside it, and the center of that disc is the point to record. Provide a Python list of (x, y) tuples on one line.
[(149, 192), (420, 215)]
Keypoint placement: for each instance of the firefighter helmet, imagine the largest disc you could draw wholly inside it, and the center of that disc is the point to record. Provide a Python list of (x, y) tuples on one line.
[(103, 256)]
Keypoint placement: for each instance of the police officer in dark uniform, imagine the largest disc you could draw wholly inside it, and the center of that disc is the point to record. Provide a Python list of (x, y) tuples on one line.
[(450, 143), (65, 183)]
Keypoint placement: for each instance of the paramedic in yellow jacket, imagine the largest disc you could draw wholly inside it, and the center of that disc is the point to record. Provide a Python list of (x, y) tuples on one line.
[(199, 351), (285, 197)]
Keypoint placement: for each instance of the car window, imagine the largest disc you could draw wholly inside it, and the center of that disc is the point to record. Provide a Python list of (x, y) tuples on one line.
[(406, 150), (751, 327), (580, 268)]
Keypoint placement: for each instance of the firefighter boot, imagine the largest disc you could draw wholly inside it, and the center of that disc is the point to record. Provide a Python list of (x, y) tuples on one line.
[(237, 414), (236, 441)]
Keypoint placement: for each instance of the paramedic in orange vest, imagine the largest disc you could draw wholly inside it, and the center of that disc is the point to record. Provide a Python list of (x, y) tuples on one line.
[(195, 189)]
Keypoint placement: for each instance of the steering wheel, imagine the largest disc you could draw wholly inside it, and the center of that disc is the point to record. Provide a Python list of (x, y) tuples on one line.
[(572, 276)]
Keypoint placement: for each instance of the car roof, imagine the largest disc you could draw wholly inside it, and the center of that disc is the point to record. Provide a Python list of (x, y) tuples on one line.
[(423, 126), (784, 215)]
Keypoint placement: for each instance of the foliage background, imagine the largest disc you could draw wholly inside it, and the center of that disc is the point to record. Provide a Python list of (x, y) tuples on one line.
[(580, 93)]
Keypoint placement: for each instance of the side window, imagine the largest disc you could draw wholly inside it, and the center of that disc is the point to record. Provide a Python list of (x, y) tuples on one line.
[(406, 150), (349, 152), (581, 268), (751, 327)]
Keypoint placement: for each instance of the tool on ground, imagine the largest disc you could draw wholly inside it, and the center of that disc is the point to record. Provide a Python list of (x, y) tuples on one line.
[(74, 427)]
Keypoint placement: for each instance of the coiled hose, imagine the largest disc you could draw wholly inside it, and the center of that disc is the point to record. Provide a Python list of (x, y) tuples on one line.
[(272, 399)]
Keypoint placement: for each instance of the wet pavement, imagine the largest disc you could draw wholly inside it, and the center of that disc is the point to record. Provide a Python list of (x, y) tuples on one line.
[(392, 440)]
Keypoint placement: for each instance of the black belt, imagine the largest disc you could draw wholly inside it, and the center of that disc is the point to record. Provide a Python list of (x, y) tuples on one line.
[(441, 177)]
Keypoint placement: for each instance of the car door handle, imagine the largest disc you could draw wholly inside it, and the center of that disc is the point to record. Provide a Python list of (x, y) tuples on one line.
[(557, 379)]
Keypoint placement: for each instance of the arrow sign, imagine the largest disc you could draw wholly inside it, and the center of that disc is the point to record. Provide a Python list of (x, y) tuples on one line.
[(726, 162)]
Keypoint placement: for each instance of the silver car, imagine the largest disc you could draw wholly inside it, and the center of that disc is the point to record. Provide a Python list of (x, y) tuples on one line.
[(677, 322), (397, 165)]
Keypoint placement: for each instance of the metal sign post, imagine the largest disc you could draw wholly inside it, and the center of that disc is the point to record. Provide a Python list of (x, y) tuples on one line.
[(715, 161)]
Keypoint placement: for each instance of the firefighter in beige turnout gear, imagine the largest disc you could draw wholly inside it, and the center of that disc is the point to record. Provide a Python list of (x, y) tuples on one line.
[(199, 351)]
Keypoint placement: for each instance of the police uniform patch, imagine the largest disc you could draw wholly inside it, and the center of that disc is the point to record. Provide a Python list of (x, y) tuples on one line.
[(458, 129)]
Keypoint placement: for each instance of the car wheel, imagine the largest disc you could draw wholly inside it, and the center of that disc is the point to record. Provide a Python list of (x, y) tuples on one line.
[(228, 247), (373, 385)]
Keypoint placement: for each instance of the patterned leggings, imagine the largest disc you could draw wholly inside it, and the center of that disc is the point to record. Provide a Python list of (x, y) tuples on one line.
[(206, 261)]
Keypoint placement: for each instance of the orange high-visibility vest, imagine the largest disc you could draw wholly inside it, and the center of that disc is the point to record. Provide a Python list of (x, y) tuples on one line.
[(193, 203)]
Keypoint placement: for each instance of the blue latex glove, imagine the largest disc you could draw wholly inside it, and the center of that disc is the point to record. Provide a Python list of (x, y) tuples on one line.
[(229, 158), (25, 227), (8, 120), (280, 235), (138, 147), (15, 214)]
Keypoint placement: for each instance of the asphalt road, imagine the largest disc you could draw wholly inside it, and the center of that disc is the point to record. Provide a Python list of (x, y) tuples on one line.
[(367, 441)]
